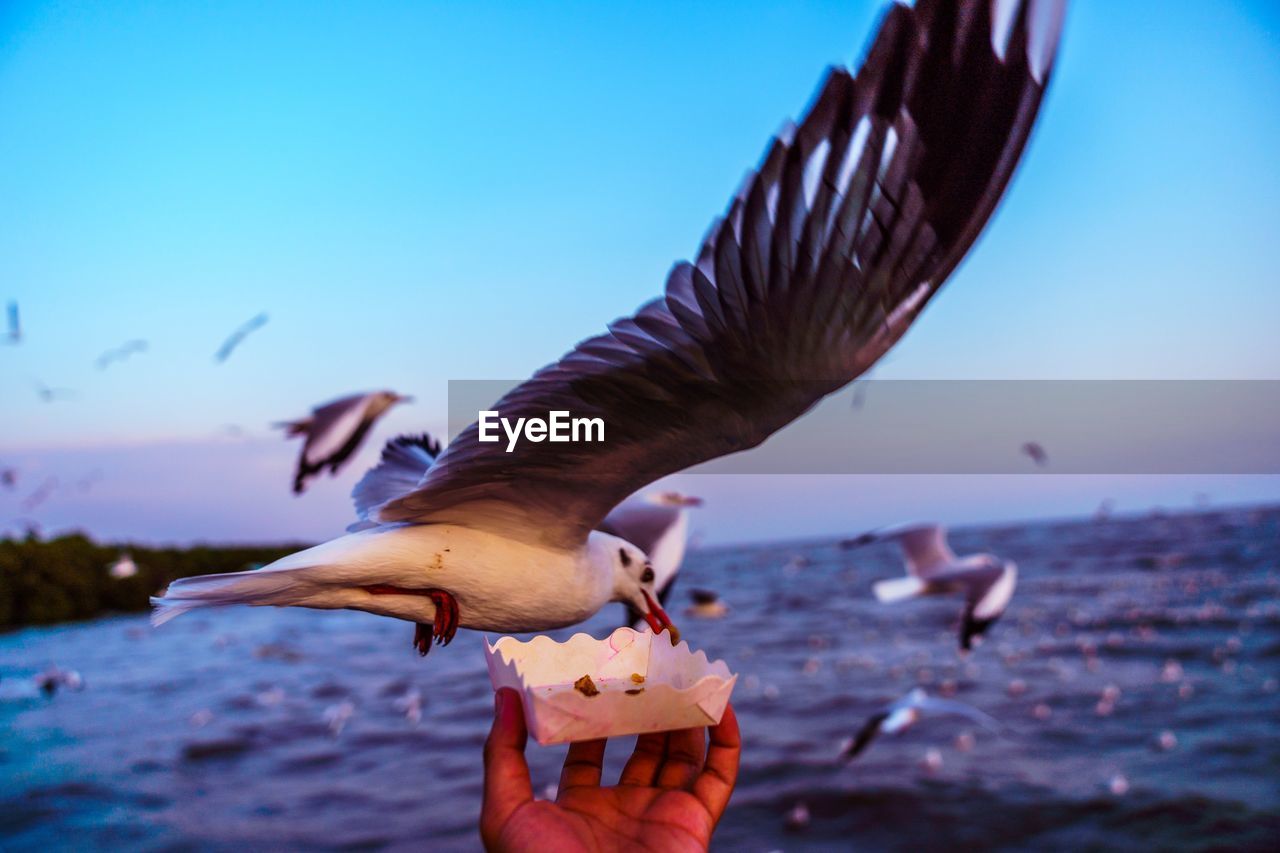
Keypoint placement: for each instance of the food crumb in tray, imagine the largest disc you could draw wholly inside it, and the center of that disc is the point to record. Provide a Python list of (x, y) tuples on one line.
[(635, 691), (586, 686), (637, 678)]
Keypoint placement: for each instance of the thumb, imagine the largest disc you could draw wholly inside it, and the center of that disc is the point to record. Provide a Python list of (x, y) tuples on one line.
[(507, 786)]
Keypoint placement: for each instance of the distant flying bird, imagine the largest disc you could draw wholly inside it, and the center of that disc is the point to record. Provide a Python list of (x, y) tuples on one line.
[(53, 395), (658, 524), (335, 431), (41, 494), (900, 715), (238, 336), (932, 569), (9, 478), (1036, 453), (830, 251), (120, 353), (706, 605), (14, 333), (53, 679), (123, 567)]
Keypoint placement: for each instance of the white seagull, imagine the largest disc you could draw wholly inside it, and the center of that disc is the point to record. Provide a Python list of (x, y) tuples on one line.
[(829, 252), (658, 524), (124, 567), (933, 569), (900, 715), (335, 431)]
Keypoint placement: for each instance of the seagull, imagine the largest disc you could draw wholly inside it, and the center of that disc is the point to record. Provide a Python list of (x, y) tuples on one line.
[(9, 478), (238, 336), (123, 567), (831, 249), (54, 678), (898, 716), (658, 524), (14, 333), (1036, 453), (120, 353), (335, 430), (933, 569), (706, 604), (53, 395), (41, 494)]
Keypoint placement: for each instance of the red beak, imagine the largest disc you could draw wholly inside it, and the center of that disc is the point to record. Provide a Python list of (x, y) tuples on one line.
[(658, 618)]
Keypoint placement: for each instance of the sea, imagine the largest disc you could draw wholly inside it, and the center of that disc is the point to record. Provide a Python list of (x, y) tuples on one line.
[(1134, 678)]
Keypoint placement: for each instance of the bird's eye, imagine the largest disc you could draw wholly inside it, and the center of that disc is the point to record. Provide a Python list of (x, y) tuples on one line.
[(647, 576), (624, 557)]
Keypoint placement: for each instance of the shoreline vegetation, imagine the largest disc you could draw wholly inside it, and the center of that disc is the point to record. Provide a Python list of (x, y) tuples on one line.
[(67, 579)]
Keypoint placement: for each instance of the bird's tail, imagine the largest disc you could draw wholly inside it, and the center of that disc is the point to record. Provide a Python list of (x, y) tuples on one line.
[(293, 428), (898, 589), (291, 580)]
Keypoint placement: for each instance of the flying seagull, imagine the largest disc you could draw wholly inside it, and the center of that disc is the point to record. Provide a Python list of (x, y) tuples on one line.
[(1034, 451), (49, 394), (14, 333), (124, 567), (238, 336), (9, 478), (932, 569), (658, 524), (829, 252), (120, 353), (335, 431), (900, 715)]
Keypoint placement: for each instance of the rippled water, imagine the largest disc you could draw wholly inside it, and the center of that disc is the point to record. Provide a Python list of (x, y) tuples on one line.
[(217, 731)]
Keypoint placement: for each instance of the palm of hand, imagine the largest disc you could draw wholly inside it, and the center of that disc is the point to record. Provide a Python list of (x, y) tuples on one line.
[(670, 795), (586, 818)]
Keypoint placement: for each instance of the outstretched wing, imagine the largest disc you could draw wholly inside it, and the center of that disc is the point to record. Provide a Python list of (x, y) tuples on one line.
[(405, 461), (865, 735), (853, 221)]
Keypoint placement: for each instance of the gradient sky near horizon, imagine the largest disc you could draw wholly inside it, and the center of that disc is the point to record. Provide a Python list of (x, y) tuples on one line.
[(422, 192)]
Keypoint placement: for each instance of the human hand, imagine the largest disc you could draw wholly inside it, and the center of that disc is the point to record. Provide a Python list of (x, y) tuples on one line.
[(670, 795)]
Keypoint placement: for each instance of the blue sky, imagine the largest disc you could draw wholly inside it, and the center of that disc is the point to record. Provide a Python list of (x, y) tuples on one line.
[(418, 192)]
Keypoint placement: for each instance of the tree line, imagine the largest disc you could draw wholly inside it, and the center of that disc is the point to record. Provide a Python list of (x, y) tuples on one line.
[(67, 578)]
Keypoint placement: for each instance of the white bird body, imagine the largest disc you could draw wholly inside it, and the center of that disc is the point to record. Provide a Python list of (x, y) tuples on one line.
[(933, 569), (481, 570)]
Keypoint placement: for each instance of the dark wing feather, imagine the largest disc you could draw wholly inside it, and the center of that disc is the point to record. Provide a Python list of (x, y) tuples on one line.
[(865, 735), (821, 263), (405, 461)]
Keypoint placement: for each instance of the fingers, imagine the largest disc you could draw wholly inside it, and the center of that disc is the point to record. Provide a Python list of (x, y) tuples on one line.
[(507, 786), (642, 766), (683, 760), (715, 784), (583, 764)]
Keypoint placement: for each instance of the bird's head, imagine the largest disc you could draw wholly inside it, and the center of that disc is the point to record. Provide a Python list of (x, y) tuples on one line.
[(384, 400), (633, 579)]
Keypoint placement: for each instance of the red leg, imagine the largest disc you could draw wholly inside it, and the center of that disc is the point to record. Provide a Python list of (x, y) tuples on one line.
[(422, 638), (445, 624)]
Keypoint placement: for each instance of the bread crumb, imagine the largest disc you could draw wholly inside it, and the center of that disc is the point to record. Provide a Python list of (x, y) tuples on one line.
[(586, 686), (637, 678), (635, 691)]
